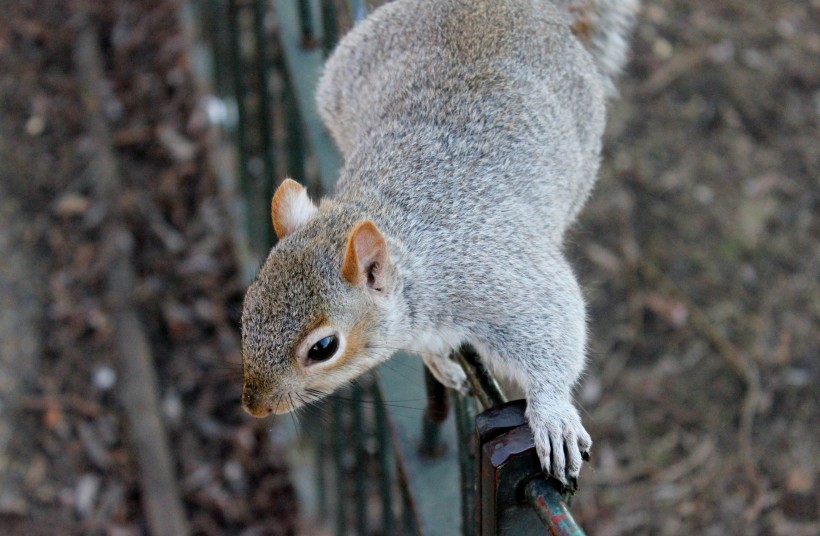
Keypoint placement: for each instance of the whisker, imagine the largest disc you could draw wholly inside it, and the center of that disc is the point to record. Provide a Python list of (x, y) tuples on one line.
[(317, 412), (401, 369), (294, 415), (320, 395)]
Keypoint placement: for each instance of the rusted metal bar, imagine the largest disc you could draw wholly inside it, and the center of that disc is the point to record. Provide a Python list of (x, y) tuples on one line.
[(551, 507), (482, 382), (508, 463)]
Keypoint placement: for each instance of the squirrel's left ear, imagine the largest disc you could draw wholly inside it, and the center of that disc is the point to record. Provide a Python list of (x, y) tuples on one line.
[(290, 208), (366, 260)]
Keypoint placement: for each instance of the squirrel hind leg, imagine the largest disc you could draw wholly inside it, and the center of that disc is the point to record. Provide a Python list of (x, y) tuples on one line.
[(447, 372)]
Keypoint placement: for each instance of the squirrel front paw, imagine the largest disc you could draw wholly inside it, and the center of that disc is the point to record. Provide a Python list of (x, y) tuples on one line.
[(561, 441), (447, 372)]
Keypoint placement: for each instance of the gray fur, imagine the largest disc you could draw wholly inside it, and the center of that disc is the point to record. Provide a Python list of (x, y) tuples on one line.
[(471, 135)]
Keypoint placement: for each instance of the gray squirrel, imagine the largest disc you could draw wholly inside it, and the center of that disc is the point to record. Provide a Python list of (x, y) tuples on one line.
[(471, 136)]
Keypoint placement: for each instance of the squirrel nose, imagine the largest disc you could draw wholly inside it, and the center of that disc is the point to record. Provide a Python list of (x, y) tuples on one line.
[(252, 401)]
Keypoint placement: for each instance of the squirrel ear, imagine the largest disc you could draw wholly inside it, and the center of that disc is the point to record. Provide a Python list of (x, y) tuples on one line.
[(366, 259), (290, 208)]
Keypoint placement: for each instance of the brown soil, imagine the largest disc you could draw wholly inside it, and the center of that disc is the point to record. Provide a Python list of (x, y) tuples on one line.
[(700, 255), (70, 467)]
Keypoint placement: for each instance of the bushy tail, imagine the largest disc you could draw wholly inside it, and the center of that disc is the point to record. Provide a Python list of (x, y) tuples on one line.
[(605, 27)]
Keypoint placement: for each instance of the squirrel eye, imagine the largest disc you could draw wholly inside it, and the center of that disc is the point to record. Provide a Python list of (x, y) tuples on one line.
[(324, 349)]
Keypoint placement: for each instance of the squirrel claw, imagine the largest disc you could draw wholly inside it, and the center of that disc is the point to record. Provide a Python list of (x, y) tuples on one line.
[(561, 441)]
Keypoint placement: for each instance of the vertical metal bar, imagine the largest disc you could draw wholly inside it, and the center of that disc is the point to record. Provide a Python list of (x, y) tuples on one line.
[(551, 507), (465, 409), (295, 164), (265, 117), (383, 446), (222, 48), (213, 13), (361, 462), (321, 468), (330, 27), (239, 96), (338, 459), (306, 23), (434, 415), (410, 524), (484, 385), (304, 69)]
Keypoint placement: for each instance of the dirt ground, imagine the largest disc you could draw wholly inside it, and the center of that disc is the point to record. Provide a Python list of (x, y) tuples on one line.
[(68, 465), (699, 254)]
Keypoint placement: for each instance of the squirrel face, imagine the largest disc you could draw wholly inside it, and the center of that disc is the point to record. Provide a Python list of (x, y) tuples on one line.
[(312, 319)]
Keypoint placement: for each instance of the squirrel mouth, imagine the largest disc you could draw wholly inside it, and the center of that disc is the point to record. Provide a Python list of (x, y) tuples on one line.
[(257, 411), (284, 406), (261, 405)]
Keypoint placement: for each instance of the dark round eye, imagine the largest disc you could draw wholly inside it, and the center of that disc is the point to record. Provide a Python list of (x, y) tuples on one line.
[(324, 349)]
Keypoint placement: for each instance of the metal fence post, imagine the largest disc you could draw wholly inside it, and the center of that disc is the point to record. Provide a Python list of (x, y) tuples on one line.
[(465, 409), (516, 498)]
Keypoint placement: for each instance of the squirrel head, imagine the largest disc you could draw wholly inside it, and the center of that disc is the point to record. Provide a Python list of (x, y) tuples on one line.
[(318, 313)]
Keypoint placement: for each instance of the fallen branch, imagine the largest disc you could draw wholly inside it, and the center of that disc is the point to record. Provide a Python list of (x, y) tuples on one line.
[(745, 368), (665, 75), (139, 391)]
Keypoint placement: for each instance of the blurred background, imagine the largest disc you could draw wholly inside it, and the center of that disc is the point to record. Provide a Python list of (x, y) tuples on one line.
[(122, 274)]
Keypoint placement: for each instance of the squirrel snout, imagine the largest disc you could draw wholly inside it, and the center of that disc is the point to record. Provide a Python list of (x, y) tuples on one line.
[(254, 403), (260, 402)]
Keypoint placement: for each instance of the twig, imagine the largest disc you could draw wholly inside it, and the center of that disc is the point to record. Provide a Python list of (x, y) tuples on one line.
[(696, 458), (670, 71), (646, 469), (139, 391), (745, 368), (75, 403)]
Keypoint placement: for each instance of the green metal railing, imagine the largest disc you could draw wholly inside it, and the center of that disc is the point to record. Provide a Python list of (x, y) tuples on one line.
[(395, 453)]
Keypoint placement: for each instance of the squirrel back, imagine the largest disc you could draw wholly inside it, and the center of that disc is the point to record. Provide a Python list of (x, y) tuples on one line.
[(379, 45), (428, 77)]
